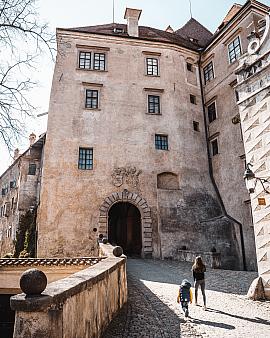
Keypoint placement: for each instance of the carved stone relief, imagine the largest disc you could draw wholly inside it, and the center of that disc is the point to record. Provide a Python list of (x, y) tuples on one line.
[(128, 175)]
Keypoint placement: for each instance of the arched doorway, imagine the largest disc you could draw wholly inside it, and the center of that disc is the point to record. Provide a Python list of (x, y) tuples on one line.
[(124, 228)]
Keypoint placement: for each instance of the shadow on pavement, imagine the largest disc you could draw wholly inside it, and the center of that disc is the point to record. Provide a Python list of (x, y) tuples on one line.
[(256, 320), (226, 281), (215, 324)]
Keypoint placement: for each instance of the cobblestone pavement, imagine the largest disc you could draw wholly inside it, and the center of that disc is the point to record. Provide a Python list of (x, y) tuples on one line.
[(152, 311)]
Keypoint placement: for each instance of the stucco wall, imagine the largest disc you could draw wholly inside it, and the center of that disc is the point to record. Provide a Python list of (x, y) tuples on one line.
[(81, 305)]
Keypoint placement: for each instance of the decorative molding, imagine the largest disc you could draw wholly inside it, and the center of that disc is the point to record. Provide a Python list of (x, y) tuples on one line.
[(153, 90), (91, 84), (128, 175), (151, 53), (92, 47)]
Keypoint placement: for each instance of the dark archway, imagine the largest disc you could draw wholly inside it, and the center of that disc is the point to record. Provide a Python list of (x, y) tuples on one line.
[(124, 228)]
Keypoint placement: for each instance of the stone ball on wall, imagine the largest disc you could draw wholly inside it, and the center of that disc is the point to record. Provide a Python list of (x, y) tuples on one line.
[(33, 282), (118, 251)]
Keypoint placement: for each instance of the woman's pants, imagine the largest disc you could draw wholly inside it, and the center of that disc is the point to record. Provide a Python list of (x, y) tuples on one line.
[(200, 283)]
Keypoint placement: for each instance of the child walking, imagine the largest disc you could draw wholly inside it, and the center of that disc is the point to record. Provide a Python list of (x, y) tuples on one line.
[(185, 296)]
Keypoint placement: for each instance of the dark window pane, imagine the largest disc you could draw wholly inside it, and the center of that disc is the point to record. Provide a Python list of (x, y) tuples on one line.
[(214, 145), (234, 49), (84, 161), (196, 126), (32, 169), (91, 100), (212, 114), (208, 72), (192, 99), (161, 142), (189, 67), (153, 104)]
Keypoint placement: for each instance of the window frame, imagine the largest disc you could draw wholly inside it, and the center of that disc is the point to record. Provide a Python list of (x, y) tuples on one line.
[(208, 105), (99, 61), (90, 60), (93, 51), (149, 96), (160, 144), (189, 65), (191, 97), (30, 172), (97, 98), (196, 126), (236, 57), (84, 157), (207, 72), (214, 140), (152, 65)]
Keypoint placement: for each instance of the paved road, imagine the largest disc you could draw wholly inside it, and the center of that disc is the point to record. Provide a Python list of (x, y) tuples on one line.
[(152, 311)]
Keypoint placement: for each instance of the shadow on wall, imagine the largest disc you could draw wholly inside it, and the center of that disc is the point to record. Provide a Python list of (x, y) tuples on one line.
[(194, 219)]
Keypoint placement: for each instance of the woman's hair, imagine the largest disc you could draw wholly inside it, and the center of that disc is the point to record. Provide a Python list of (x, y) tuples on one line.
[(198, 265)]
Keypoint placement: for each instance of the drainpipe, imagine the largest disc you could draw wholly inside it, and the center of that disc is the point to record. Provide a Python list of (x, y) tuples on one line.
[(210, 167)]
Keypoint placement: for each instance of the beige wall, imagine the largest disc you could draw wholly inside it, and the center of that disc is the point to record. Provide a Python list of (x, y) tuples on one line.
[(229, 164), (122, 135)]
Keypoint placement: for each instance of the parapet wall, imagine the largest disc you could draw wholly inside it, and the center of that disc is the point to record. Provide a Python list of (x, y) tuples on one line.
[(81, 305)]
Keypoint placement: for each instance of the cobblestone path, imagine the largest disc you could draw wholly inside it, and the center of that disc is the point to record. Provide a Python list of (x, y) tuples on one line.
[(152, 311)]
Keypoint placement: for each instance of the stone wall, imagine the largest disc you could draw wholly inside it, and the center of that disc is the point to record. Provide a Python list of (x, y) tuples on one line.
[(81, 305)]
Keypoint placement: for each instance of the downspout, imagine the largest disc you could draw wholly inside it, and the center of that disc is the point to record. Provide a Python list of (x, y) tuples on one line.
[(210, 167)]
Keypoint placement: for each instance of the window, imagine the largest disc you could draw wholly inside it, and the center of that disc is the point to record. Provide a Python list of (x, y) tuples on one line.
[(236, 95), (208, 72), (89, 60), (153, 104), (32, 169), (85, 158), (234, 49), (211, 110), (99, 61), (152, 66), (189, 67), (196, 126), (161, 142), (85, 60), (214, 146), (192, 99), (91, 100)]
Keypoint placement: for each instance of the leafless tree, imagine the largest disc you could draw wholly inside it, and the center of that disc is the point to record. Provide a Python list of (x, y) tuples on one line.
[(22, 40)]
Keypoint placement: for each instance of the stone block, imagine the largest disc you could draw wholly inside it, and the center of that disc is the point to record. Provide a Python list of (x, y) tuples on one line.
[(256, 290)]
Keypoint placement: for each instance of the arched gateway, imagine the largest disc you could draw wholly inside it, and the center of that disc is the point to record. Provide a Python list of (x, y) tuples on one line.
[(126, 206)]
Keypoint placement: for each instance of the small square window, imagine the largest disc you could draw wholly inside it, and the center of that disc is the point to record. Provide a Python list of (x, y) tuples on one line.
[(234, 49), (161, 142), (196, 126), (91, 100), (192, 99), (189, 67), (214, 146), (152, 66), (211, 110), (85, 158), (153, 104), (32, 169), (208, 72)]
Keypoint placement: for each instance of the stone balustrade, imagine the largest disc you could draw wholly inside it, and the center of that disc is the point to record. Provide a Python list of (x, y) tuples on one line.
[(80, 305), (211, 259)]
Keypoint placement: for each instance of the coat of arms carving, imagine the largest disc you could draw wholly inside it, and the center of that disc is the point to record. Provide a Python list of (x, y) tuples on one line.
[(128, 175)]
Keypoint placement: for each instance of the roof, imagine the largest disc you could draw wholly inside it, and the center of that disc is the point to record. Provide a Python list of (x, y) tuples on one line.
[(194, 30), (233, 10), (145, 33), (30, 262)]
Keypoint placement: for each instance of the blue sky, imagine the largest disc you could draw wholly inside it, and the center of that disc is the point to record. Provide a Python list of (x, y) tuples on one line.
[(70, 13)]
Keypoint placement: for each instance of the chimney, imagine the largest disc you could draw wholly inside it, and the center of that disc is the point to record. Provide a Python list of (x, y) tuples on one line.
[(132, 15), (16, 154), (32, 139)]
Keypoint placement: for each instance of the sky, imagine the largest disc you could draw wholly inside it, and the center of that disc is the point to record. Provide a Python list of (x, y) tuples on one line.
[(70, 13)]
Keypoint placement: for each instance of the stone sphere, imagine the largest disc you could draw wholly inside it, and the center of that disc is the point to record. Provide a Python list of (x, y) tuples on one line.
[(118, 251), (105, 240), (33, 282)]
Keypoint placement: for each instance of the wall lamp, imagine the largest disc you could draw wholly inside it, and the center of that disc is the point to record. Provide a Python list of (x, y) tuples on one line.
[(251, 180)]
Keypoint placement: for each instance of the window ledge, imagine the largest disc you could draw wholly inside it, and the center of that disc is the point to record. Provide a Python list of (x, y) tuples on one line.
[(92, 70), (156, 114), (95, 109), (148, 75)]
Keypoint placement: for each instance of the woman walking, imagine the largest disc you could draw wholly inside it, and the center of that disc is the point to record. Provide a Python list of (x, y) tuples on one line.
[(198, 269)]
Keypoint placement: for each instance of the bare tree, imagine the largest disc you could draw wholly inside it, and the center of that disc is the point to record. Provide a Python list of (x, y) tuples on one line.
[(22, 40)]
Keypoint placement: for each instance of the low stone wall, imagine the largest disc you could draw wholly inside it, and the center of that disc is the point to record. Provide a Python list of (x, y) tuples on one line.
[(81, 305), (211, 259)]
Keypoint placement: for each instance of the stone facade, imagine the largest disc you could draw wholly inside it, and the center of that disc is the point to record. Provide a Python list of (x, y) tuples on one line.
[(20, 186), (254, 102)]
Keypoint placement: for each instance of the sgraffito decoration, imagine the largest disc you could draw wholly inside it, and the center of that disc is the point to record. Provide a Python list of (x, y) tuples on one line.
[(128, 175)]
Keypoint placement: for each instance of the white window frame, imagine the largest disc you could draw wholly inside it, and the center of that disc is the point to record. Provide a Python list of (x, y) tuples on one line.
[(209, 104), (158, 65), (92, 52), (206, 82)]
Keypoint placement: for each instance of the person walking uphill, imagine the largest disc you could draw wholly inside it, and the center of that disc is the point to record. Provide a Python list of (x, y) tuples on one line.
[(198, 270)]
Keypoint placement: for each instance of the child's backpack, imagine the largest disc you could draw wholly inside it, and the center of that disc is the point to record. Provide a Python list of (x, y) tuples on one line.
[(185, 291)]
